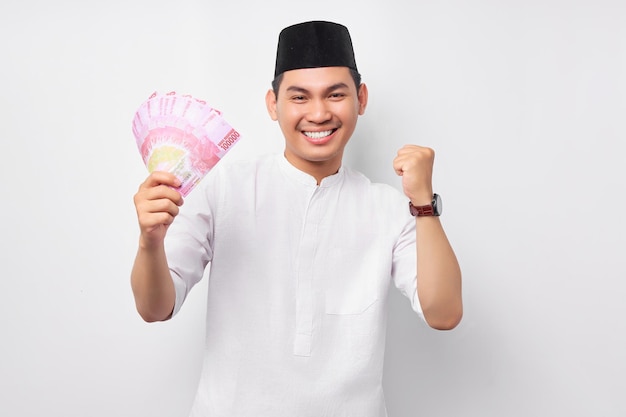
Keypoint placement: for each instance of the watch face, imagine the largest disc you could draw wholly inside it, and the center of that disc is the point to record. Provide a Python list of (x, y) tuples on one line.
[(437, 205)]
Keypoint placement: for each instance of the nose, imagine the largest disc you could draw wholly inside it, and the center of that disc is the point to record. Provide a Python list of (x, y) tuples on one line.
[(318, 112)]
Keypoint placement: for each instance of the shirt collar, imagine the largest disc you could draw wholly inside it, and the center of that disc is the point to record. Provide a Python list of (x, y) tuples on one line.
[(302, 177)]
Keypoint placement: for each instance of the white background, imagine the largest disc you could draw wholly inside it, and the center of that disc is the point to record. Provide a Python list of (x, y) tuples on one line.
[(523, 101)]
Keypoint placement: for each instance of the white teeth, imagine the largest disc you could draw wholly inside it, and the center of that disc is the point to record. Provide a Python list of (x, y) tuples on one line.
[(318, 135)]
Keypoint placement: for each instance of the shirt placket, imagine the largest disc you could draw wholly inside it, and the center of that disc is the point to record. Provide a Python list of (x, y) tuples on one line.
[(305, 268)]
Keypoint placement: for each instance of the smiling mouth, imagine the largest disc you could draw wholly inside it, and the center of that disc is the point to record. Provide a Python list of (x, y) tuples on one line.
[(319, 135)]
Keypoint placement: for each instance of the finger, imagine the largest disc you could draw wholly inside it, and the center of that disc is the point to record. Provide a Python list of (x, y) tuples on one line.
[(415, 149), (417, 157), (409, 149), (156, 212), (158, 192), (161, 205), (161, 178), (405, 162), (165, 192), (155, 221), (399, 170), (398, 164)]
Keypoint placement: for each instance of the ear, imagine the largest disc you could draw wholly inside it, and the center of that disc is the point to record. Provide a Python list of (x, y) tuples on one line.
[(362, 96), (270, 102)]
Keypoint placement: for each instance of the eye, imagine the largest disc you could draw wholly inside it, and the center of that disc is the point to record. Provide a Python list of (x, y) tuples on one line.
[(298, 99), (337, 96)]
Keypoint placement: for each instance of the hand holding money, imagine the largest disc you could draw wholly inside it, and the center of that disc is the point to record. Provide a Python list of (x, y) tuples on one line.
[(157, 204)]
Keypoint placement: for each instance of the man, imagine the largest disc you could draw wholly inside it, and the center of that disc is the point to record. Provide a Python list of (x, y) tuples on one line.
[(302, 250)]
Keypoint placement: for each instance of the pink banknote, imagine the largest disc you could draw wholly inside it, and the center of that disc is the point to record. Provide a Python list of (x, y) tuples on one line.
[(182, 135)]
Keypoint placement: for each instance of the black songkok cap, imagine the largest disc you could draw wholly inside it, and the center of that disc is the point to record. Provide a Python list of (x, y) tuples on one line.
[(313, 45)]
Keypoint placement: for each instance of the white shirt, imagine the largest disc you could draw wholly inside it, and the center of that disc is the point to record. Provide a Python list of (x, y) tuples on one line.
[(296, 308)]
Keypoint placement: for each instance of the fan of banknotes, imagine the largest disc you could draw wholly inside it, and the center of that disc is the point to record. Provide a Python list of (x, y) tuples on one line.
[(182, 135)]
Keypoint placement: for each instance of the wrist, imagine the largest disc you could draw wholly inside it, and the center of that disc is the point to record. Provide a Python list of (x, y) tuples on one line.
[(421, 198), (150, 244)]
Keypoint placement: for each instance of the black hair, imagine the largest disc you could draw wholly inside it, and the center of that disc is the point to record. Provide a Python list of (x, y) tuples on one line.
[(279, 78)]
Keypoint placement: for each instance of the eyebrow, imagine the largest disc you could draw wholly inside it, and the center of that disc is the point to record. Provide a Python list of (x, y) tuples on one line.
[(296, 89)]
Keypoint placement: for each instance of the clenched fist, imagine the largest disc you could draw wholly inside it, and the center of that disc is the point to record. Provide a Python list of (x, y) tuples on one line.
[(415, 165)]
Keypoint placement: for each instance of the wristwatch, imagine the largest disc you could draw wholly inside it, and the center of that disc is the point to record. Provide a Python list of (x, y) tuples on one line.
[(432, 209)]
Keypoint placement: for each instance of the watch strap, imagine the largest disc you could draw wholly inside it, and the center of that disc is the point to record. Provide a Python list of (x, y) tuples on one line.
[(432, 209), (419, 211)]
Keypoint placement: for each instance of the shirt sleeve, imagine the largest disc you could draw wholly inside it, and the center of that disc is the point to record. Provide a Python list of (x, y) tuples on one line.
[(188, 244), (404, 271)]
